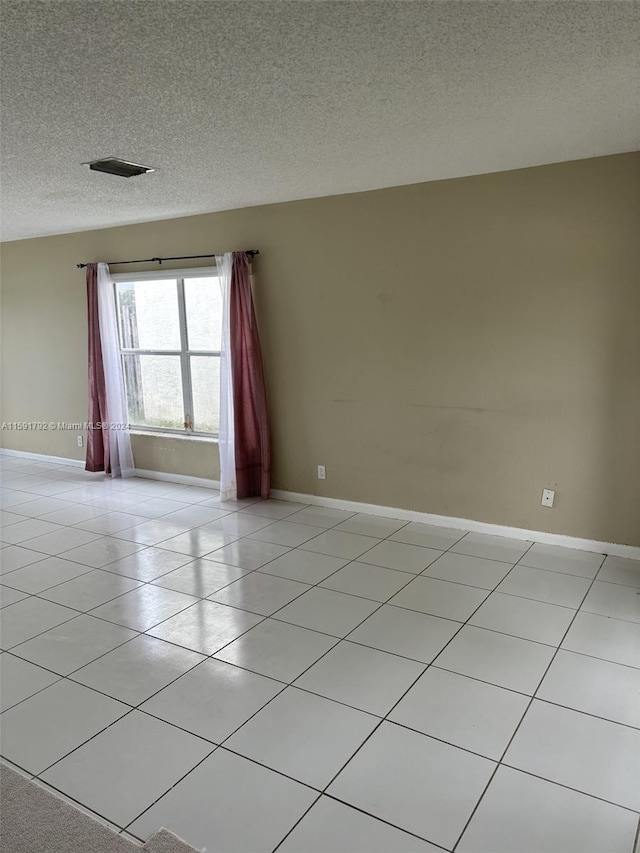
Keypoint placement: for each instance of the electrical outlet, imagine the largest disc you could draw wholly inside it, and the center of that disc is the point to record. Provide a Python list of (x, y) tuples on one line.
[(322, 472), (548, 496), (80, 441)]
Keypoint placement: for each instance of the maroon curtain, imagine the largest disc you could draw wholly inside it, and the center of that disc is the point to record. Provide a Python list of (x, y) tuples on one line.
[(251, 424), (97, 439)]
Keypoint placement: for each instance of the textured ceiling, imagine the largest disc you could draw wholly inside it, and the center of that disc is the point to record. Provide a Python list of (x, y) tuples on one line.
[(244, 103)]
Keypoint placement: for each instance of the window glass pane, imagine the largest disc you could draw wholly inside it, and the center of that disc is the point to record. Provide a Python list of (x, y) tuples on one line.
[(203, 302), (154, 390), (148, 314), (205, 385)]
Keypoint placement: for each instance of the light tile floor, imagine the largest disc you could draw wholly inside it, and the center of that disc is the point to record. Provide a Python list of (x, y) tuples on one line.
[(273, 676)]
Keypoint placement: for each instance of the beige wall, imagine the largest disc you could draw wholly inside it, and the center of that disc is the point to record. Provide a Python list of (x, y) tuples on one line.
[(450, 347), (186, 456)]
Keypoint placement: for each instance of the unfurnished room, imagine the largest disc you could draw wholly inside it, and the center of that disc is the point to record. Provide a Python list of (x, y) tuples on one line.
[(320, 426)]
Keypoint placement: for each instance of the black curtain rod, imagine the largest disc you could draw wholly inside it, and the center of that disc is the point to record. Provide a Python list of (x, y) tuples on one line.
[(249, 252)]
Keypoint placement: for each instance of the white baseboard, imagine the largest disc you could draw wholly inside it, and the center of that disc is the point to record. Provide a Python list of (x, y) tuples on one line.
[(201, 482), (630, 551), (41, 457), (615, 549)]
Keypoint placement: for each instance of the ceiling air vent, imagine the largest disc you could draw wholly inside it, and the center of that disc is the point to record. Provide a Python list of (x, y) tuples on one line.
[(123, 168)]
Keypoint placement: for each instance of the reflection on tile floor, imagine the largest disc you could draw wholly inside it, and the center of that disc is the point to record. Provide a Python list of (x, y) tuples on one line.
[(260, 676)]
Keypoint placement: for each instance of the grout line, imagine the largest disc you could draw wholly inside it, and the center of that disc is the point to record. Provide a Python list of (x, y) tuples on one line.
[(344, 639), (288, 684), (567, 788), (533, 696), (636, 840), (385, 718)]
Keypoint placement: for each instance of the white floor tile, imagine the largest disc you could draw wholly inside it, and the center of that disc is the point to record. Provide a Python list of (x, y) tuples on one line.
[(497, 658), (7, 518), (260, 593), (462, 711), (272, 509), (320, 516), (29, 617), (11, 498), (73, 644), (50, 488), (90, 590), (62, 540), (195, 516), (337, 544), (364, 678), (406, 633), (427, 787), (327, 611), (248, 554), (303, 736), (44, 574), (276, 649), (333, 826), (356, 654), (229, 803), (605, 638), (50, 724), (229, 505), (582, 752), (620, 570), (43, 506), (74, 514), (200, 577), (544, 585), (151, 532), (10, 596), (594, 686), (440, 598), (522, 814), (149, 564), (206, 627), (370, 525), (139, 758), (401, 557), (238, 524), (158, 507), (304, 566), (190, 494), (145, 607), (213, 699), (492, 547), (612, 599), (371, 582), (86, 494), (171, 491), (137, 669), (584, 564), (118, 502), (30, 528), (110, 523), (523, 617), (196, 542), (285, 533), (20, 680), (14, 557), (472, 571)]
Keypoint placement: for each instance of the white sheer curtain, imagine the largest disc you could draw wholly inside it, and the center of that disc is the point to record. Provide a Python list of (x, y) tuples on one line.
[(121, 458), (226, 438)]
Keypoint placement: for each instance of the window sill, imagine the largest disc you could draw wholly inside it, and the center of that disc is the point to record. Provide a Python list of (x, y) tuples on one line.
[(174, 436)]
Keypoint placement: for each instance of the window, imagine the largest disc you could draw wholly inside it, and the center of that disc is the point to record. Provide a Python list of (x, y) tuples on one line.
[(170, 328)]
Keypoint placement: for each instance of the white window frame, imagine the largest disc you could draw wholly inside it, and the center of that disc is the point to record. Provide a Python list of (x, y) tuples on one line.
[(184, 352)]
